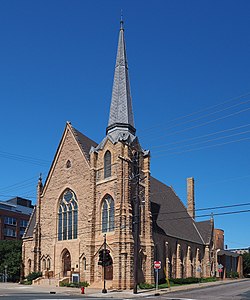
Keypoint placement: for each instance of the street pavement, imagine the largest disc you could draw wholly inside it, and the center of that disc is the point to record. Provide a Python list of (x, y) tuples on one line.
[(13, 290)]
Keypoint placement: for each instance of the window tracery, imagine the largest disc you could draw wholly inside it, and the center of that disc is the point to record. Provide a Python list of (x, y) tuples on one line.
[(67, 216), (108, 214)]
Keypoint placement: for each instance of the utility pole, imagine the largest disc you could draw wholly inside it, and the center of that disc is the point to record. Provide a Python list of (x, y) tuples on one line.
[(104, 291), (136, 172), (5, 273), (136, 219)]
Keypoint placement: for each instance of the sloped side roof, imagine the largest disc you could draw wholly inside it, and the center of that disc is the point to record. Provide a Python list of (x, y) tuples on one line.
[(31, 225), (205, 228), (85, 142), (227, 253), (170, 215)]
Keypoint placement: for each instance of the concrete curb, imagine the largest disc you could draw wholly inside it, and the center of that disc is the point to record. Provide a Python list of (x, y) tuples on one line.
[(129, 294), (13, 288)]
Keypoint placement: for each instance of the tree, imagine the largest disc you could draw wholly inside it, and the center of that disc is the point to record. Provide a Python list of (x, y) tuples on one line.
[(11, 256), (246, 264)]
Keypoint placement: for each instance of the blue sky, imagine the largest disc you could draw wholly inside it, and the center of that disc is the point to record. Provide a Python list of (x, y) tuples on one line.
[(189, 69)]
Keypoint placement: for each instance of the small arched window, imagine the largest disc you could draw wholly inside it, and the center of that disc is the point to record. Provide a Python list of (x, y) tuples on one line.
[(67, 216), (48, 264), (44, 264), (107, 164), (84, 264), (108, 214), (68, 164), (29, 266)]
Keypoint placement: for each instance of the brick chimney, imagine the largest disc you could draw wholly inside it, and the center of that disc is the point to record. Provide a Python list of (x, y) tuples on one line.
[(190, 197)]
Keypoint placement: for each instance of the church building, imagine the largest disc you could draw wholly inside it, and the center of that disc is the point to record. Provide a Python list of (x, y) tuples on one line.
[(99, 194)]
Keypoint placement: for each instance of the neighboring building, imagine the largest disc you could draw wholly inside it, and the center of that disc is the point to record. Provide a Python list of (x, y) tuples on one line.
[(219, 238), (90, 191), (14, 216), (227, 261), (240, 250)]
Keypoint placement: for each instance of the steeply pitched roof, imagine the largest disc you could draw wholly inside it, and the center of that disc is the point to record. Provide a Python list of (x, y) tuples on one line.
[(31, 225), (205, 228), (170, 215), (85, 142), (121, 113)]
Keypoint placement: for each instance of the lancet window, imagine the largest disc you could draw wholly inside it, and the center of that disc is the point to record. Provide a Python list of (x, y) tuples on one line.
[(67, 216), (107, 164), (108, 214)]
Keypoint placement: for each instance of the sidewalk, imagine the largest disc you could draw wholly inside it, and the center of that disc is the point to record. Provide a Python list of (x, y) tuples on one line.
[(93, 292), (151, 292)]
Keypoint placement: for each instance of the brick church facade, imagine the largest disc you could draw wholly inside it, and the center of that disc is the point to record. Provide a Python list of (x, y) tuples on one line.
[(90, 192)]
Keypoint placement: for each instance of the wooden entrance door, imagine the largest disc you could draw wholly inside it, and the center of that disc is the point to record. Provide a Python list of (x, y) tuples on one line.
[(66, 263), (109, 272)]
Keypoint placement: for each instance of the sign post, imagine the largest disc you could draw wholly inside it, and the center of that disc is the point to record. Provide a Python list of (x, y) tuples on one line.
[(157, 266), (199, 270), (220, 269)]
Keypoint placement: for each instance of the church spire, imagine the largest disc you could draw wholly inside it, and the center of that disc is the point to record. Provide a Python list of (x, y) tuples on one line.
[(121, 117)]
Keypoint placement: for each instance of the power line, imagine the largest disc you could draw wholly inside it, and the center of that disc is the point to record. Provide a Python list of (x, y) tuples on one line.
[(224, 180), (18, 183), (204, 116), (184, 211), (124, 226), (23, 158), (203, 142), (202, 110), (203, 124), (203, 209), (209, 215), (201, 136), (201, 148)]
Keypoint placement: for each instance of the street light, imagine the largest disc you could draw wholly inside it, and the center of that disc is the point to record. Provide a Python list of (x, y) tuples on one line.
[(104, 290)]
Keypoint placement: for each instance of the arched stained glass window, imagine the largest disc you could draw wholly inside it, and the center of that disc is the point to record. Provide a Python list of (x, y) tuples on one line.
[(67, 216), (108, 214), (107, 164)]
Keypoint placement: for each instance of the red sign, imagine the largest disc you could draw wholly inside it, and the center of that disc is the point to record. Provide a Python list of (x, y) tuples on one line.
[(220, 270), (157, 264)]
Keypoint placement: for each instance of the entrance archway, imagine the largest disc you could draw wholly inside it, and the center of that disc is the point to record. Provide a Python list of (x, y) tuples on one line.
[(109, 270), (66, 263)]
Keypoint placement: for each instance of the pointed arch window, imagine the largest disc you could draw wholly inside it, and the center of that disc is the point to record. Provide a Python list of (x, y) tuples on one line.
[(29, 266), (67, 216), (44, 264), (107, 164), (108, 214), (48, 264)]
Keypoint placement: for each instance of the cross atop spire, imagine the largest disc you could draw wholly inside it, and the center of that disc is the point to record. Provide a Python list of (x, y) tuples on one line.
[(121, 20), (121, 119)]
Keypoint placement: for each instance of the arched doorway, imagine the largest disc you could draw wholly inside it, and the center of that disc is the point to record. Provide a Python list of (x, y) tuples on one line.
[(109, 269), (66, 263)]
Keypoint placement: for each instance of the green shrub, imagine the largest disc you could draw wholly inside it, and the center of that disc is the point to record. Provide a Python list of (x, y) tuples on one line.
[(208, 279), (25, 282), (33, 276), (232, 275), (75, 284), (188, 280), (146, 285)]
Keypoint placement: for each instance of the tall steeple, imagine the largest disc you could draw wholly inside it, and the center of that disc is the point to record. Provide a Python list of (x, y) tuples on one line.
[(121, 119)]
